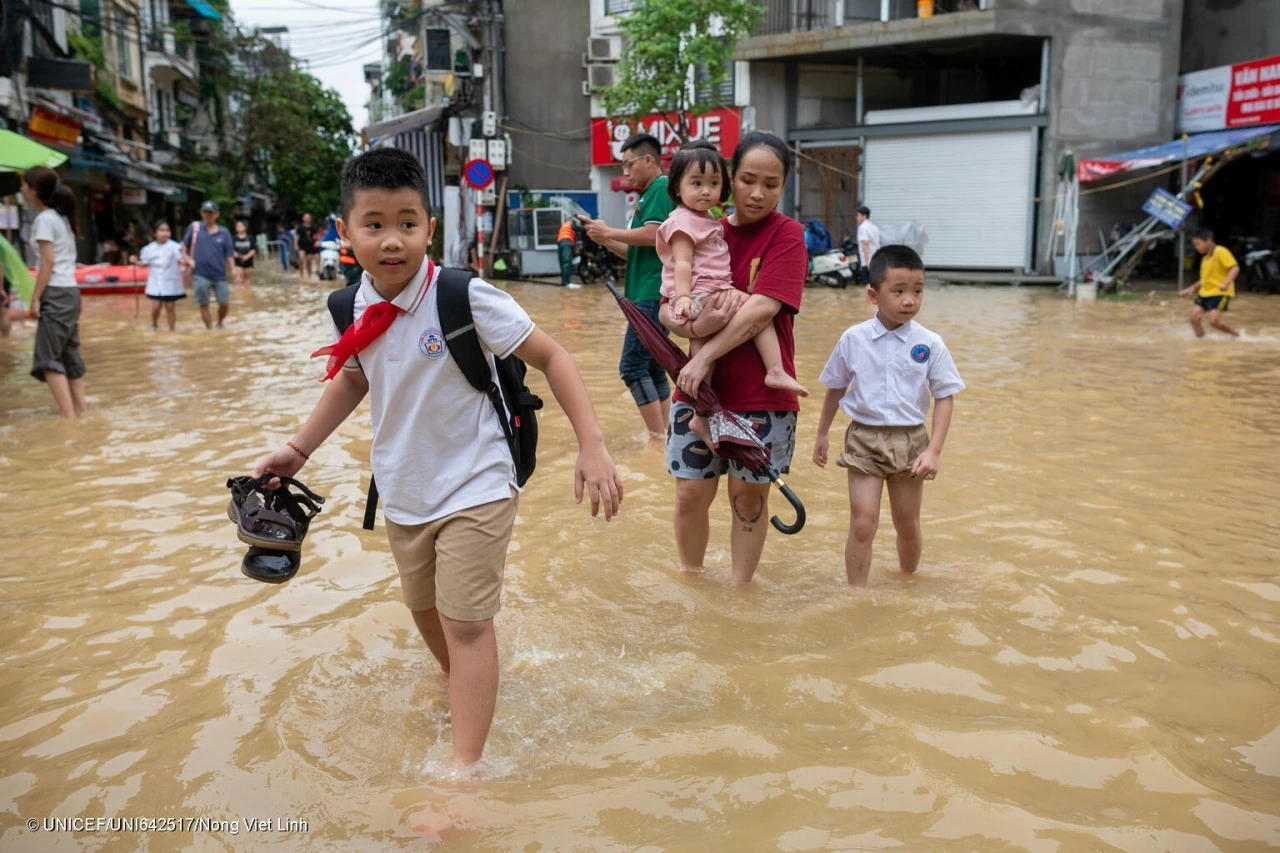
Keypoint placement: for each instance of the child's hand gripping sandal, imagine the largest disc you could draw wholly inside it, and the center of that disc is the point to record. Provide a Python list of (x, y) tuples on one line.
[(271, 519)]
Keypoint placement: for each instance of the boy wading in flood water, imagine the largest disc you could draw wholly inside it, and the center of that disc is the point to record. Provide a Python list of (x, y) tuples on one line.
[(1216, 286), (881, 374), (441, 460)]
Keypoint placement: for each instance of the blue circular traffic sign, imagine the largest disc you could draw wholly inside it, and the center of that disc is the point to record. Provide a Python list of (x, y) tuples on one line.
[(478, 173)]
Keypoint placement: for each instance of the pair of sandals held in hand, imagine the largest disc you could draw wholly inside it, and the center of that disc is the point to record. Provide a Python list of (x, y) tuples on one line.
[(273, 522)]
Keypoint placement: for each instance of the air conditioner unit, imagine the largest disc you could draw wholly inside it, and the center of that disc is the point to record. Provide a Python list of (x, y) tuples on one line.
[(604, 49), (600, 76)]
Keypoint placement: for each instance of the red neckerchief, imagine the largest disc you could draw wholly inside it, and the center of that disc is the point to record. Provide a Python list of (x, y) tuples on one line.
[(375, 320)]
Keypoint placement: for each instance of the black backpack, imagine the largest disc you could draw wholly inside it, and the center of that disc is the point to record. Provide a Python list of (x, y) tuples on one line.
[(512, 400)]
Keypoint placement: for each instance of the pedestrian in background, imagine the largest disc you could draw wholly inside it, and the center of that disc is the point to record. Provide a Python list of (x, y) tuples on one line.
[(163, 257), (566, 240), (869, 240), (209, 249), (304, 238), (246, 251), (55, 303)]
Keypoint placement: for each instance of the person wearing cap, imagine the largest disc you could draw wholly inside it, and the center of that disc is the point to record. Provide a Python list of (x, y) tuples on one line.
[(211, 250)]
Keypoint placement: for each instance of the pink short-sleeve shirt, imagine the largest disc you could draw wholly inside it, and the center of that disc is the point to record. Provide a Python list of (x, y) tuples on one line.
[(711, 268)]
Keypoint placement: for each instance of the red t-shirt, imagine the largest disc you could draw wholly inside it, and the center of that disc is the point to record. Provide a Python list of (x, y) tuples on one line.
[(776, 245)]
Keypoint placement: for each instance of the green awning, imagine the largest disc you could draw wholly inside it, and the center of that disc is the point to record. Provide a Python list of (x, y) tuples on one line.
[(205, 10), (18, 153)]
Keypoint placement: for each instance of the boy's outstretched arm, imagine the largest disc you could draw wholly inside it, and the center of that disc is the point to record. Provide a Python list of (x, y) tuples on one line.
[(927, 465), (821, 444), (594, 468), (338, 401)]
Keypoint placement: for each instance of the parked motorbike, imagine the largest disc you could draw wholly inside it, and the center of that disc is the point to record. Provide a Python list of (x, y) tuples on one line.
[(596, 263), (1261, 270), (330, 264), (836, 267)]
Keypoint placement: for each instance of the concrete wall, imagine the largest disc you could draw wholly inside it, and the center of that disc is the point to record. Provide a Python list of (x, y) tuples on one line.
[(769, 96), (1223, 32), (1112, 87), (545, 43)]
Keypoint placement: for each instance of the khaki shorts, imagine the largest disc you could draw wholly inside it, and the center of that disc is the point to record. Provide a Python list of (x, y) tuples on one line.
[(455, 563), (884, 452)]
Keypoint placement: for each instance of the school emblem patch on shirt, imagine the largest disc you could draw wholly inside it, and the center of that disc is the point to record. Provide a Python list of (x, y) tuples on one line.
[(920, 353), (431, 343)]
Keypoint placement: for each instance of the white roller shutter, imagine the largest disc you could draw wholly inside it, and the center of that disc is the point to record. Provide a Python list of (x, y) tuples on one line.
[(971, 191)]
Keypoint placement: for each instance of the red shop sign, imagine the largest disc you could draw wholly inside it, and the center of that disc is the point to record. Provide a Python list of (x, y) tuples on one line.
[(720, 126), (1255, 93)]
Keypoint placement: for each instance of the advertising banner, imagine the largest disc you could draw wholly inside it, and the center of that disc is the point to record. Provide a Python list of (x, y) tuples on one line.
[(1239, 95), (721, 127)]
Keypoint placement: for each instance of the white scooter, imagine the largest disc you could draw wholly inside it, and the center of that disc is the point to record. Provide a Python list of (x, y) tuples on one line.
[(330, 265), (835, 268)]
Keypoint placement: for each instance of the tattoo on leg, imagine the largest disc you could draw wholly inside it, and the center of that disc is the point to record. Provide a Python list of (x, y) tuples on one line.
[(742, 517), (752, 331)]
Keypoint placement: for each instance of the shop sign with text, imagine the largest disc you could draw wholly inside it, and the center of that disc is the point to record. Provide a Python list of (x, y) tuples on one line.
[(49, 127), (721, 126), (1240, 95)]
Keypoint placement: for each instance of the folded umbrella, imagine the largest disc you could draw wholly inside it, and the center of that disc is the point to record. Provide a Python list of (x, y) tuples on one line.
[(732, 436)]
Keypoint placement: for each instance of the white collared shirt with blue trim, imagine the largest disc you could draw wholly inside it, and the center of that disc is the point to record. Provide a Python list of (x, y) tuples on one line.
[(889, 375)]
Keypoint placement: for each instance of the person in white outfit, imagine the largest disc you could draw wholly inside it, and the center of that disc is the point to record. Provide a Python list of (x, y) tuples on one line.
[(164, 279), (868, 236)]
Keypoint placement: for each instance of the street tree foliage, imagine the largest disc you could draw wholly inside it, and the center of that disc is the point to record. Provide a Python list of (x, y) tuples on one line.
[(670, 44), (284, 131)]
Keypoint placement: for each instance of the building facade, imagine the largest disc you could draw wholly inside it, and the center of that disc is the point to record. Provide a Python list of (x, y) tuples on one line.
[(959, 120)]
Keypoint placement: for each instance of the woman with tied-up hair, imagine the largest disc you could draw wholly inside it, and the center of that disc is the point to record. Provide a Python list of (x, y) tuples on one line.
[(55, 303)]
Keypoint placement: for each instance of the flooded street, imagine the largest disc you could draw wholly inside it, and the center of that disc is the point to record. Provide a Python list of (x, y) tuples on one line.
[(1086, 661)]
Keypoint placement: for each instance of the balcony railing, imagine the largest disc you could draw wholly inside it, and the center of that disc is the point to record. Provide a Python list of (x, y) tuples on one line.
[(789, 16), (618, 7)]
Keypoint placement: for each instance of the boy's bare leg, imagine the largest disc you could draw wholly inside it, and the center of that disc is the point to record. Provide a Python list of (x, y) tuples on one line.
[(776, 376), (905, 499), (473, 685), (428, 622), (1215, 320), (206, 316), (61, 390), (750, 505), (864, 519), (223, 308), (77, 396), (693, 520), (1196, 313)]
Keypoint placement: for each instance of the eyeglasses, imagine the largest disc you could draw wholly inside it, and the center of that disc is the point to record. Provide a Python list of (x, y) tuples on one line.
[(626, 164)]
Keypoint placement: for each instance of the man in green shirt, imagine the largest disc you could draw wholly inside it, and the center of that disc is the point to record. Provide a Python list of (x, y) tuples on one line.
[(641, 162)]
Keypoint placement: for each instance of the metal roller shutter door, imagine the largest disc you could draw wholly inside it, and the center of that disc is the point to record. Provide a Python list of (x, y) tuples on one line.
[(971, 191)]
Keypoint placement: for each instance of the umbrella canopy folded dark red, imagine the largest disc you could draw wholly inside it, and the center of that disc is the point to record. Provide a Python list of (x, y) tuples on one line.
[(732, 436)]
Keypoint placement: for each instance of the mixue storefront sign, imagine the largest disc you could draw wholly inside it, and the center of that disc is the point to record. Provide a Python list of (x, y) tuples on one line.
[(1240, 95), (721, 126)]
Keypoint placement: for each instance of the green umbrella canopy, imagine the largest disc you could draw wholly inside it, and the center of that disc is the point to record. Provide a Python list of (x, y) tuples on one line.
[(18, 153)]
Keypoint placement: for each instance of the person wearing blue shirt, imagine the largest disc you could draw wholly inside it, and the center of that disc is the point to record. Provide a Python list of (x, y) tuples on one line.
[(210, 249)]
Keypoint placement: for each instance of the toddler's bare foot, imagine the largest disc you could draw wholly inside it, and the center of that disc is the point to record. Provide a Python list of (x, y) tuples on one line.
[(780, 381)]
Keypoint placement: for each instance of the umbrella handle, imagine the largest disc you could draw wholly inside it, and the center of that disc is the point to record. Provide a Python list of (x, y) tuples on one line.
[(778, 523), (613, 290)]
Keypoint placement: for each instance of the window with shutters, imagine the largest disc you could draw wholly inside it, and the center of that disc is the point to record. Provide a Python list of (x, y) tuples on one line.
[(721, 95)]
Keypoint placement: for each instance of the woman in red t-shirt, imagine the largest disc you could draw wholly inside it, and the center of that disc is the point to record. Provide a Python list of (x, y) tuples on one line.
[(769, 264)]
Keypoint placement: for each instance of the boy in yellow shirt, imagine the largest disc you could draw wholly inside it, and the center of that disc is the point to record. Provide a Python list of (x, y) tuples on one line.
[(1217, 283)]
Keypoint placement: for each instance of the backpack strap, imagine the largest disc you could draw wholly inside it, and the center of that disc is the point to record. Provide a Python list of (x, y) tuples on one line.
[(454, 303), (342, 306)]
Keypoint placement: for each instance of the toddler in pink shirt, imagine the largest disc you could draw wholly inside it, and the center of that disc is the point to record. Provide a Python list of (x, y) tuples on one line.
[(695, 258)]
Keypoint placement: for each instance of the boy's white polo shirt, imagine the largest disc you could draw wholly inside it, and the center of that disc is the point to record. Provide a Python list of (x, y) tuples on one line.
[(890, 375), (438, 446)]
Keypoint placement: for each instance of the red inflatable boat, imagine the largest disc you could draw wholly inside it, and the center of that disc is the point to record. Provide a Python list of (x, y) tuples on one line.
[(106, 278)]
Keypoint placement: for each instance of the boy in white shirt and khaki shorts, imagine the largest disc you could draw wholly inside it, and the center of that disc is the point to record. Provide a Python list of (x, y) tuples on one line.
[(882, 373), (443, 467)]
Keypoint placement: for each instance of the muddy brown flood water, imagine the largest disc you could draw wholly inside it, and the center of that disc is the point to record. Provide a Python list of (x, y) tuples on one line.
[(1087, 660)]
